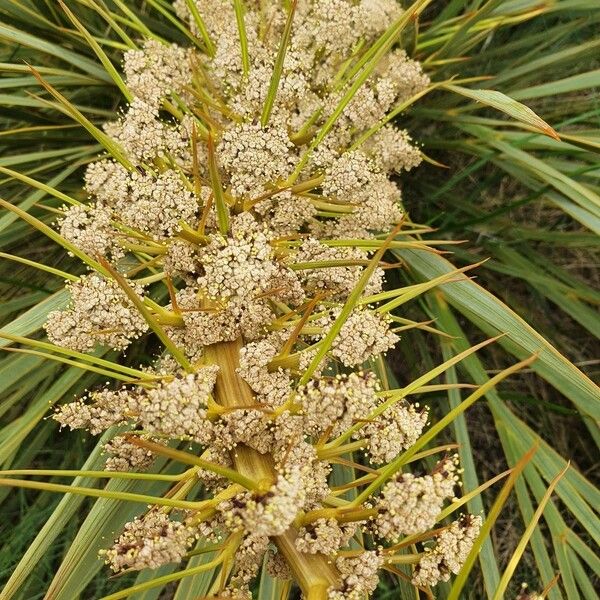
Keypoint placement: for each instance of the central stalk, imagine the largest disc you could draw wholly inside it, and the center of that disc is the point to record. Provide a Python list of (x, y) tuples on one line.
[(315, 573)]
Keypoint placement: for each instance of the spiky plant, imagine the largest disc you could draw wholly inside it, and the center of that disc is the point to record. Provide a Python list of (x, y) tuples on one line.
[(241, 211)]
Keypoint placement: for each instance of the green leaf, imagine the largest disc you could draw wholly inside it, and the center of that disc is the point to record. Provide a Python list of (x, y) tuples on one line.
[(493, 317), (271, 588), (239, 17), (25, 205), (459, 583), (520, 549), (20, 37), (278, 67), (507, 105), (101, 526), (55, 237), (33, 319), (487, 559), (575, 83), (106, 62), (516, 437), (62, 514), (193, 8), (196, 586)]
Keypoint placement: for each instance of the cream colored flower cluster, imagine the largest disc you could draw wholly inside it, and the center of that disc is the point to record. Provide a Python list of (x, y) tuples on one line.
[(234, 232), (151, 542), (449, 552), (410, 504), (174, 408), (99, 313)]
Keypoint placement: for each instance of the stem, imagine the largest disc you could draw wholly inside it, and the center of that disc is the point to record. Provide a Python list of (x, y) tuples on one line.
[(314, 573), (187, 458), (94, 493), (317, 592), (333, 452), (405, 559), (210, 510), (341, 515), (100, 474)]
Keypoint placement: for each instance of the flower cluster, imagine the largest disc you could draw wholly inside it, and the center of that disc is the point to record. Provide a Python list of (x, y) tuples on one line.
[(99, 312), (149, 542), (244, 242), (410, 504), (359, 576), (449, 553), (175, 408)]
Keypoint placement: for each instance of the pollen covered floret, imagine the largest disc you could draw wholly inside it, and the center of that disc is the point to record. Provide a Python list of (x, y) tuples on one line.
[(157, 205), (247, 426), (273, 386), (241, 593), (410, 505), (178, 408), (285, 213), (103, 409), (392, 150), (141, 133), (126, 456), (248, 560), (99, 313), (90, 230), (107, 181), (327, 29), (364, 334), (396, 79), (149, 542), (157, 70), (377, 209), (244, 265), (253, 156), (205, 323), (181, 259), (277, 566), (359, 576), (449, 553), (405, 75), (377, 15), (397, 429), (266, 514), (348, 176), (335, 403), (325, 536), (292, 455)]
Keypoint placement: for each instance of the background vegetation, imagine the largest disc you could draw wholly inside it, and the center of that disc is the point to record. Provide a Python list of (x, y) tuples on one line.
[(526, 201)]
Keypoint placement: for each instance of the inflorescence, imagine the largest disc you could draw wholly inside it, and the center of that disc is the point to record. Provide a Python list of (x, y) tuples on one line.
[(260, 238)]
